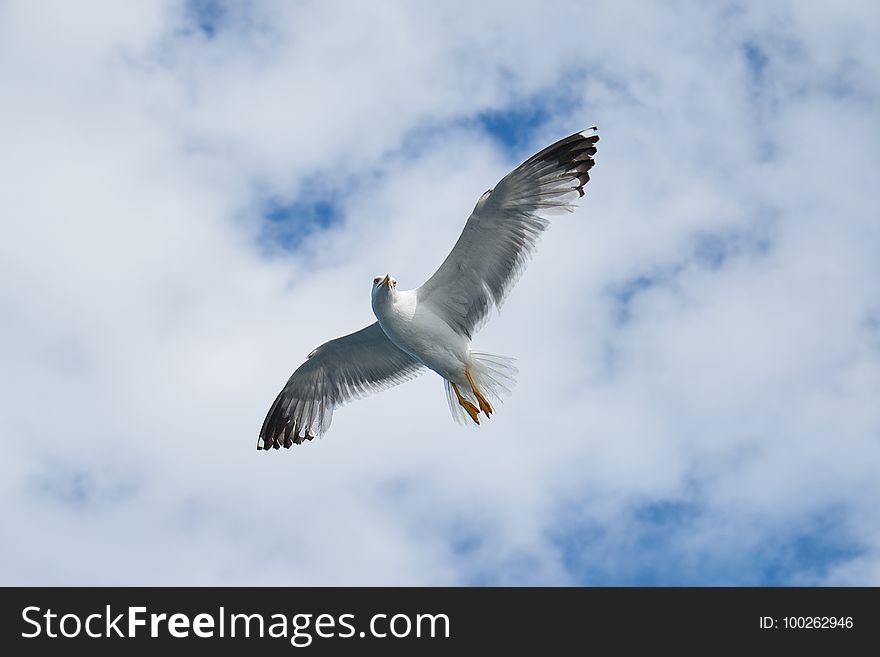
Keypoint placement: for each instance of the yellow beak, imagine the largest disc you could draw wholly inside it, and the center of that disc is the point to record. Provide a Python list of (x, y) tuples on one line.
[(386, 280)]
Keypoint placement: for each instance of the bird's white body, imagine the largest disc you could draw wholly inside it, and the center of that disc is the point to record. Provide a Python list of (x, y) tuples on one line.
[(420, 332)]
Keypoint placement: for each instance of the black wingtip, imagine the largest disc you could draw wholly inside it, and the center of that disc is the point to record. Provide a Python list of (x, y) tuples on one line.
[(290, 434)]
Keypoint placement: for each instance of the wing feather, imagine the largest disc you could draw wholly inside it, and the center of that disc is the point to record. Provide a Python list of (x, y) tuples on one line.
[(338, 371), (501, 233)]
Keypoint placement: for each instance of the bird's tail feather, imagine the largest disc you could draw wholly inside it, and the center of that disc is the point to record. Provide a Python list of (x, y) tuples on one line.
[(494, 376)]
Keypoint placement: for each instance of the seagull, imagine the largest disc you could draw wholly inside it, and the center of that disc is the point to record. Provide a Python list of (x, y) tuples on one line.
[(431, 327)]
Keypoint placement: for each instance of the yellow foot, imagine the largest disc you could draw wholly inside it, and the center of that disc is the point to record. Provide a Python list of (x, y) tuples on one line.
[(472, 410), (484, 403)]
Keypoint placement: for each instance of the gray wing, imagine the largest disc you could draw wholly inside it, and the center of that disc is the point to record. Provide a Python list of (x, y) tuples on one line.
[(340, 370), (501, 233)]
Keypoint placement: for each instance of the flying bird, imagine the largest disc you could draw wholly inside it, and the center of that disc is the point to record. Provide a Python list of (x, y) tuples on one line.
[(432, 326)]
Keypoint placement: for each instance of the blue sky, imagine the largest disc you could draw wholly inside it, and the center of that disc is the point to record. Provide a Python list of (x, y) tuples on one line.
[(199, 193)]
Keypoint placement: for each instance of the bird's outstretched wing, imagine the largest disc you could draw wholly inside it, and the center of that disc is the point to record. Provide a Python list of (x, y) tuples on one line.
[(336, 372), (500, 234)]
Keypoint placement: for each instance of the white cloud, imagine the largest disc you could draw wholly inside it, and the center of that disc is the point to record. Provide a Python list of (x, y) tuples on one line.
[(147, 328)]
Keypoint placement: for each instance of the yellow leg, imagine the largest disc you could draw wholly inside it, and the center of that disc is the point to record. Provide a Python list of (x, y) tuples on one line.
[(472, 410), (484, 403)]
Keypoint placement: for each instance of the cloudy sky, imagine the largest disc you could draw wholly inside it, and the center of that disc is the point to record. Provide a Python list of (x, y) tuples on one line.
[(197, 194)]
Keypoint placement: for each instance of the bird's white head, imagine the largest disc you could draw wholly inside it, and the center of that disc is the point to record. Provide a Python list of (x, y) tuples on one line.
[(384, 285), (383, 292)]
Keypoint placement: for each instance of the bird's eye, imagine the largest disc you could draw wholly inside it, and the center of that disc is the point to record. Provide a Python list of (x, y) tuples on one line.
[(377, 279)]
